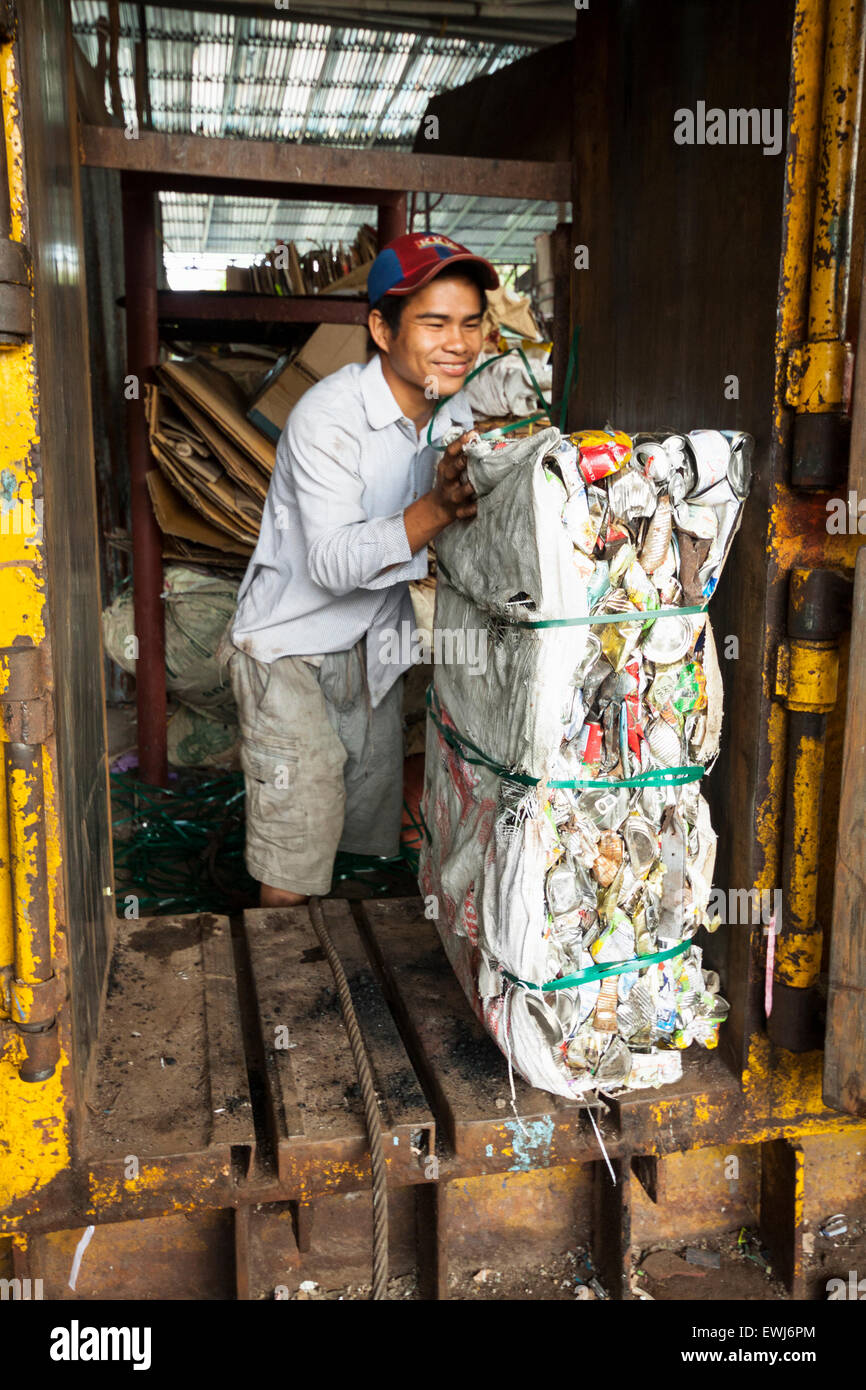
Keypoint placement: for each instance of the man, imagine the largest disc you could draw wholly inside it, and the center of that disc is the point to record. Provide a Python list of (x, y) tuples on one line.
[(355, 497)]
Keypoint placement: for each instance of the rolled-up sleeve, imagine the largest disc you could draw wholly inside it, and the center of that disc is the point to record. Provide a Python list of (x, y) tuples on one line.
[(346, 550)]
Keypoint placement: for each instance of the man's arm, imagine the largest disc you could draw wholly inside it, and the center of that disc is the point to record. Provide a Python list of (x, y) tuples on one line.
[(450, 499), (346, 550)]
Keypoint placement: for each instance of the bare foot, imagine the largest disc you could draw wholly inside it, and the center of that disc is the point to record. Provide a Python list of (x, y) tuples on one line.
[(280, 897)]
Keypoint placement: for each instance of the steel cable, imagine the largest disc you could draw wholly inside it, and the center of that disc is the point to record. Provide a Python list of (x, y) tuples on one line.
[(371, 1105)]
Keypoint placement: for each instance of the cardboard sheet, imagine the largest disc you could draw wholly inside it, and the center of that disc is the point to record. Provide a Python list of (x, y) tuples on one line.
[(176, 518), (219, 399)]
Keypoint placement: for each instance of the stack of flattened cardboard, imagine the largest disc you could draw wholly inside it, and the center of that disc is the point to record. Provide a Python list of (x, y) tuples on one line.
[(332, 345), (213, 466), (283, 270)]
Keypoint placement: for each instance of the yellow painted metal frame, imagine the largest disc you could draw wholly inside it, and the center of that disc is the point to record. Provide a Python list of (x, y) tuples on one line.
[(34, 1118)]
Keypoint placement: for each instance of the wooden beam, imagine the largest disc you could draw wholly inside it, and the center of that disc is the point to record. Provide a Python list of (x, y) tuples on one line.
[(261, 188), (330, 169), (261, 308)]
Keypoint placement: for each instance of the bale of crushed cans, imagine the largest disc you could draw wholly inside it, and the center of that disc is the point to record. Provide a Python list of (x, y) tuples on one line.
[(569, 851)]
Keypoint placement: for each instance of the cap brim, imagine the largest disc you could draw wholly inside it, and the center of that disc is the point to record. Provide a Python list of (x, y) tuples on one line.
[(424, 276)]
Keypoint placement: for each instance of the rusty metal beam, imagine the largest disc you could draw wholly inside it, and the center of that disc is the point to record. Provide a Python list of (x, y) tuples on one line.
[(330, 170), (261, 308), (266, 188), (142, 350), (391, 221), (612, 1227), (781, 1218)]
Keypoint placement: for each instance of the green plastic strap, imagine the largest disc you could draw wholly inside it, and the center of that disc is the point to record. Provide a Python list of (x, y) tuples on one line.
[(657, 777), (603, 972), (569, 373), (648, 616), (506, 429)]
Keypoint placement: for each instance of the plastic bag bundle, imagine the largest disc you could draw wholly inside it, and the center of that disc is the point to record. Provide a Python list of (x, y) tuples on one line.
[(570, 851)]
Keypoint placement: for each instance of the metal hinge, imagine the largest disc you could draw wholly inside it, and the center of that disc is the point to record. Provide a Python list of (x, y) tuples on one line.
[(807, 675), (26, 708), (820, 377)]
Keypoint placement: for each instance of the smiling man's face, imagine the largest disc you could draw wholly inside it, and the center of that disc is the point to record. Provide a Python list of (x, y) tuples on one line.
[(438, 339)]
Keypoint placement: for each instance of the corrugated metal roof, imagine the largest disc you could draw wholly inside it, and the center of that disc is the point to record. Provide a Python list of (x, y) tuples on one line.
[(238, 76)]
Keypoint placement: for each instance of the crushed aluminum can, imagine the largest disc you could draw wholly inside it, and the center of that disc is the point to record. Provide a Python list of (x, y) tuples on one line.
[(664, 744), (606, 807), (592, 652), (589, 743), (666, 998), (598, 584), (724, 467), (650, 458), (568, 931), (683, 467), (619, 602), (658, 537), (697, 521), (690, 692), (601, 452), (632, 705), (616, 942), (573, 713), (656, 1068), (565, 457), (595, 678), (580, 838), (642, 843), (606, 864), (618, 642), (631, 495), (561, 889), (610, 725), (728, 520), (615, 1065), (639, 588), (578, 523), (740, 466), (604, 1017), (660, 693), (834, 1226), (712, 454), (642, 1005), (668, 640)]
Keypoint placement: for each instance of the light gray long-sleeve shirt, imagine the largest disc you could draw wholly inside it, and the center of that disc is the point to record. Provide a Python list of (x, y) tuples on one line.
[(348, 464)]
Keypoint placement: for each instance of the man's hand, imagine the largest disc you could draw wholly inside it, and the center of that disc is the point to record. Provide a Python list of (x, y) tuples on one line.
[(451, 498), (452, 490)]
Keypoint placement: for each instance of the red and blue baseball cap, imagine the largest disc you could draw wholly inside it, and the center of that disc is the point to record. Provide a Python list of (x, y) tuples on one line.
[(409, 261)]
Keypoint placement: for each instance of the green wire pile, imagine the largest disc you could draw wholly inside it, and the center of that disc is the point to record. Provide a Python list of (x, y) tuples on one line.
[(181, 848)]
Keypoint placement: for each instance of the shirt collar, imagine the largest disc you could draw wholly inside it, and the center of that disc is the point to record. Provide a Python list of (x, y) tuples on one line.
[(379, 402), (382, 409)]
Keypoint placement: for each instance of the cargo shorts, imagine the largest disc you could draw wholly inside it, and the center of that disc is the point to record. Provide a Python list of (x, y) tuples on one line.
[(323, 769)]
